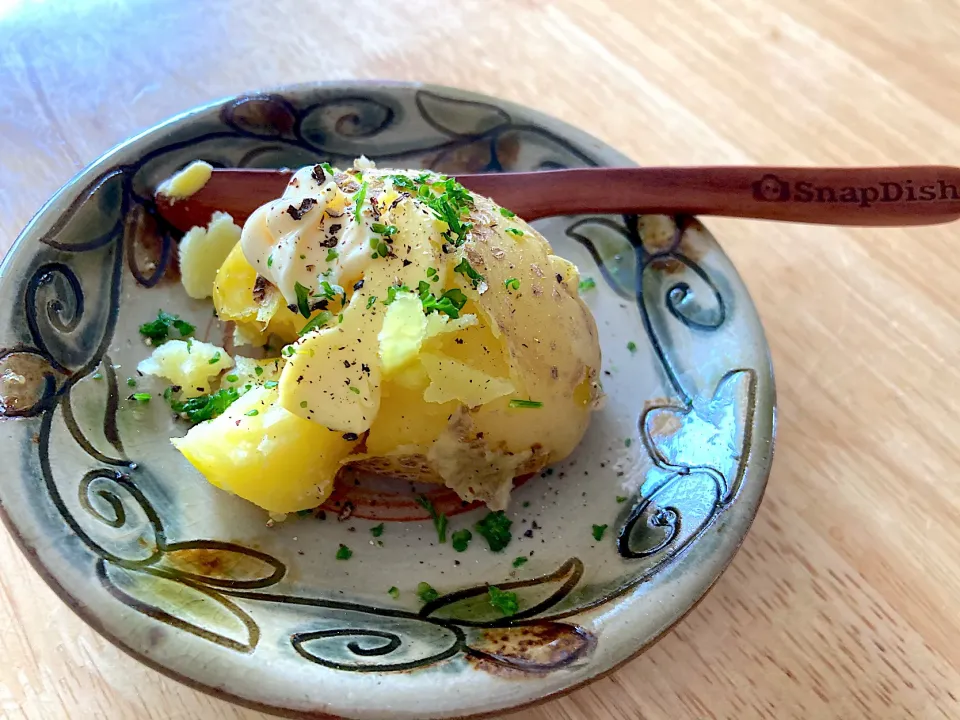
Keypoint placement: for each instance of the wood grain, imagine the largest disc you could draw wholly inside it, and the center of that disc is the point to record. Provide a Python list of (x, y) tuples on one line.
[(843, 602)]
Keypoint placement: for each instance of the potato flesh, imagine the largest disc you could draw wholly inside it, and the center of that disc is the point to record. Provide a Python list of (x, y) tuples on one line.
[(273, 458)]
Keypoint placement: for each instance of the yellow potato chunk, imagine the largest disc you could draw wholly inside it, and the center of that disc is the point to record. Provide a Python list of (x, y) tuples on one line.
[(203, 251), (266, 455), (187, 363), (404, 328), (453, 380), (248, 373)]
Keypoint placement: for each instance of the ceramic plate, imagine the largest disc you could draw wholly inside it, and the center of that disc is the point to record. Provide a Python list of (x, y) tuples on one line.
[(195, 583)]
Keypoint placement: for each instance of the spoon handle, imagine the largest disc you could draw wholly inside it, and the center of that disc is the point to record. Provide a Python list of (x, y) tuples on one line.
[(920, 195)]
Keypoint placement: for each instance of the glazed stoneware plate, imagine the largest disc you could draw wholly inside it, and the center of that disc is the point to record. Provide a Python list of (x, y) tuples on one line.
[(608, 550)]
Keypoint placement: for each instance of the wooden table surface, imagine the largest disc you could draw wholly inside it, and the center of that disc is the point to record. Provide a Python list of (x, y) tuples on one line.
[(843, 602)]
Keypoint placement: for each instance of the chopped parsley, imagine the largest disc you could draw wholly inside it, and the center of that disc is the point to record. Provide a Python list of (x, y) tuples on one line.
[(426, 593), (449, 303), (232, 378), (387, 230), (505, 602), (270, 260), (433, 274), (354, 389), (461, 539), (131, 382), (377, 530), (621, 499), (370, 301), (588, 283), (402, 181), (330, 292), (439, 519), (303, 299), (598, 531), (97, 376), (258, 370), (358, 200), (628, 442), (394, 592), (495, 528), (449, 206), (343, 552), (140, 397), (303, 403), (159, 330), (252, 413), (515, 231), (507, 213), (517, 562), (632, 346), (466, 269), (327, 169), (392, 293), (332, 254), (512, 284), (518, 403), (215, 359), (318, 321), (270, 384), (204, 407)]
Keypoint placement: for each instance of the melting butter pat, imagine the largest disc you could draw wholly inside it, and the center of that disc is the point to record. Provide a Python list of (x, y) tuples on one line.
[(187, 182)]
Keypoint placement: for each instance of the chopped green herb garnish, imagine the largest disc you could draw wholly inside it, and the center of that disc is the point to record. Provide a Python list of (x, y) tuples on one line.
[(621, 499), (303, 299), (598, 531), (495, 528), (515, 231), (140, 397), (439, 519), (382, 229), (588, 283), (370, 301), (258, 370), (507, 213), (232, 378), (327, 169), (505, 602), (393, 592), (303, 403), (354, 389), (252, 413), (512, 284), (449, 206), (317, 321), (358, 201), (270, 384), (518, 403), (340, 318), (517, 562), (632, 346), (392, 293), (131, 382), (465, 268), (97, 376), (204, 407), (402, 181), (426, 593), (332, 254), (450, 302), (433, 274), (159, 330), (377, 530), (270, 260), (343, 552), (628, 442), (215, 359), (288, 351), (461, 539)]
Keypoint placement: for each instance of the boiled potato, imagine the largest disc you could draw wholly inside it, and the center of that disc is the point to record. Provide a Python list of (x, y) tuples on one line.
[(266, 455), (428, 328), (189, 364)]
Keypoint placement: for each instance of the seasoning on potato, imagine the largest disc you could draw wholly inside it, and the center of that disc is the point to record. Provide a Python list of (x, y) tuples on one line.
[(424, 332)]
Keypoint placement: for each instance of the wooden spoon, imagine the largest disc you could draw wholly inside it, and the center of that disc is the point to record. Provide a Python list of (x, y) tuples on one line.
[(921, 195)]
